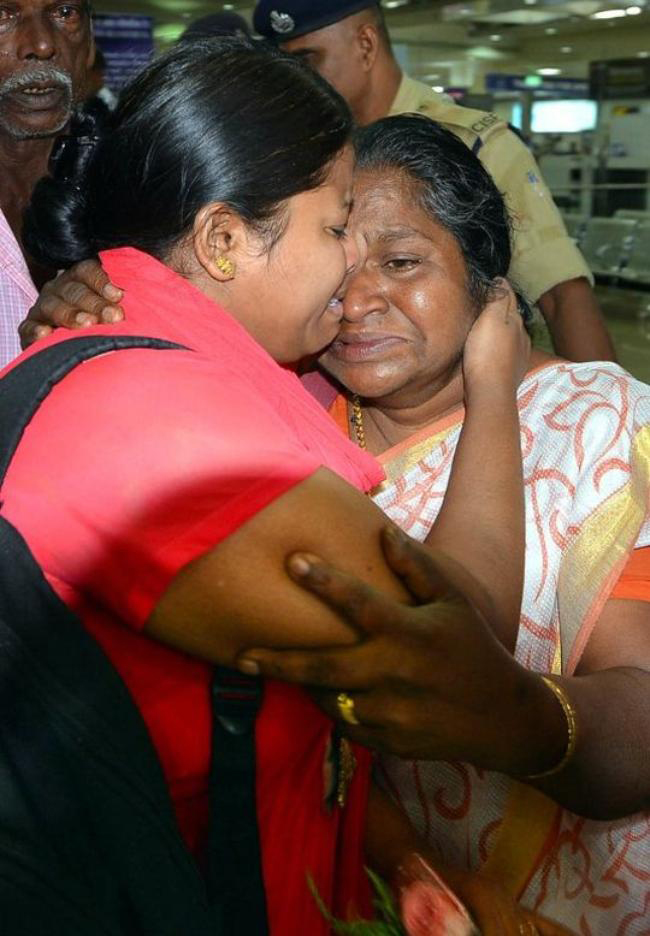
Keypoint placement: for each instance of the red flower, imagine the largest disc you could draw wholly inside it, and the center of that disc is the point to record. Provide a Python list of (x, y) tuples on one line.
[(429, 908)]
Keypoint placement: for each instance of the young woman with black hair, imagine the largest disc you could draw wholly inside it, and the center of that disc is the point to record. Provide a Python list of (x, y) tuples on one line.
[(161, 492)]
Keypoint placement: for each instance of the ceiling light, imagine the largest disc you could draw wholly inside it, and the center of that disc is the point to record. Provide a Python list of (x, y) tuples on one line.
[(633, 10), (392, 4), (439, 88), (566, 49), (549, 71), (530, 2), (643, 55), (550, 30), (608, 14), (229, 6), (495, 37), (486, 53)]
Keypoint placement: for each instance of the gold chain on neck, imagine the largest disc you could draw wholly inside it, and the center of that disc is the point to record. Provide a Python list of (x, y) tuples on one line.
[(357, 422)]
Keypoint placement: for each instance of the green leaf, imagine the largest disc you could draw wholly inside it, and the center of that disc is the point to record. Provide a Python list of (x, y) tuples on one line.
[(384, 902), (388, 924)]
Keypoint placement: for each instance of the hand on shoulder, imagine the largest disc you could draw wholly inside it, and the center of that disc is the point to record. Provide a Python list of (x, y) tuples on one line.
[(78, 298)]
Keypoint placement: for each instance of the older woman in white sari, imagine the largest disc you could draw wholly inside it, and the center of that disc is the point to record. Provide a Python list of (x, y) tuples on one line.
[(571, 841)]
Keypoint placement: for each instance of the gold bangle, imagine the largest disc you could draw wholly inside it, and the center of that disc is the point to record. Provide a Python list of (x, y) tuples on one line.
[(571, 726)]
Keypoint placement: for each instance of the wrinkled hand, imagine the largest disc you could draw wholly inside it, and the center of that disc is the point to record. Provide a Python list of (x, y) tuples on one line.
[(428, 682), (78, 298), (497, 350)]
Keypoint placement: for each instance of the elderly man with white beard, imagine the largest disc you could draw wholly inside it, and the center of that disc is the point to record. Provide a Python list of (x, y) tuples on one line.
[(45, 51)]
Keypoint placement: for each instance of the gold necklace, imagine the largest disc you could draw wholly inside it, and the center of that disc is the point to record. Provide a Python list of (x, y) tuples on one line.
[(357, 421)]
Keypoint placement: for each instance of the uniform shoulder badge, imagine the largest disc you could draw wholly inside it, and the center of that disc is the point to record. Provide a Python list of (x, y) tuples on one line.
[(485, 122), (281, 22)]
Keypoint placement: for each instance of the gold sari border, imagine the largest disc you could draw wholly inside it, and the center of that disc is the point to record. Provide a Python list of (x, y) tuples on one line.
[(593, 562)]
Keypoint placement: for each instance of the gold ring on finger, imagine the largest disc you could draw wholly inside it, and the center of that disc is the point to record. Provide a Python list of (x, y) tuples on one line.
[(345, 705), (528, 928)]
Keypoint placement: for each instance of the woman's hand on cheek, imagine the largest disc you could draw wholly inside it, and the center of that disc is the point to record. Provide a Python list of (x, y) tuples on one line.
[(78, 298), (497, 351)]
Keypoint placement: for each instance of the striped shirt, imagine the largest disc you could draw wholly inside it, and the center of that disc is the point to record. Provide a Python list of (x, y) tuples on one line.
[(17, 292)]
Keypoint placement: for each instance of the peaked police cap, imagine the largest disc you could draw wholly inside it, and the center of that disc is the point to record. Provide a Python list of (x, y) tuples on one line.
[(281, 20)]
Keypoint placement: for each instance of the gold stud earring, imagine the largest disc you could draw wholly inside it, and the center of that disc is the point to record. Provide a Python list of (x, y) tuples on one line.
[(225, 266)]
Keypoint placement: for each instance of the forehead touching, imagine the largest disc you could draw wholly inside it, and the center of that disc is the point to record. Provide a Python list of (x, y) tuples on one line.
[(340, 175)]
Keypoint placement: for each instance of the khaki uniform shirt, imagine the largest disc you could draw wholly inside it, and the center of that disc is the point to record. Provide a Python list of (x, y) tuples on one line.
[(543, 253)]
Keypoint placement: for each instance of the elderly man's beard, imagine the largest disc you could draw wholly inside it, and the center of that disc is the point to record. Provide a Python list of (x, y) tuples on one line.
[(56, 79)]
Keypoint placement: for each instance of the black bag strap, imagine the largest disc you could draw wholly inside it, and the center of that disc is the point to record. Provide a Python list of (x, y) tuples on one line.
[(234, 878), (82, 787), (23, 389)]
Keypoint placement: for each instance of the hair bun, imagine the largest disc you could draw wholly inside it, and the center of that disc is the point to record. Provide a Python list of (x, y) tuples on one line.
[(57, 228), (72, 152)]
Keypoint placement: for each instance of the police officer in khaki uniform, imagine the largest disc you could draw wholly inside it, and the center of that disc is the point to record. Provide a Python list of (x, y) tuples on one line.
[(347, 42)]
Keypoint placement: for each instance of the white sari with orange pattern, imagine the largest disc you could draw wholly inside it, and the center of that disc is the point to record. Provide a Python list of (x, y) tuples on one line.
[(586, 449)]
